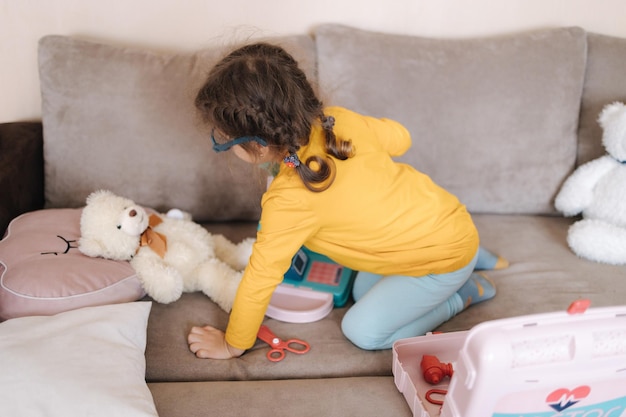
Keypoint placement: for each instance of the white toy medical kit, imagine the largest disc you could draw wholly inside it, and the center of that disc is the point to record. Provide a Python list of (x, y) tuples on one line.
[(563, 364)]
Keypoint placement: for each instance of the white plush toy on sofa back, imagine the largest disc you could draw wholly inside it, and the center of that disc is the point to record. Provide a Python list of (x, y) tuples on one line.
[(170, 254), (597, 190)]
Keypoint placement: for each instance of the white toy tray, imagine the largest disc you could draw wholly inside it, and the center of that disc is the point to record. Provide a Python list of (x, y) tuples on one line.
[(299, 305)]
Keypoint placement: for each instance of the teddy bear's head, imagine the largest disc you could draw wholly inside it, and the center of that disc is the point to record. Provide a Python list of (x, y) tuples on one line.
[(110, 226), (612, 119)]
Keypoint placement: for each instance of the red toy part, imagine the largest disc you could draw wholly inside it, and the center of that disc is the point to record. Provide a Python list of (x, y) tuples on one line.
[(431, 392), (433, 370), (578, 306)]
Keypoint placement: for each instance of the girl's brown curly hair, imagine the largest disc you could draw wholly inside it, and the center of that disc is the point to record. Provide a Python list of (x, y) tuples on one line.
[(259, 90)]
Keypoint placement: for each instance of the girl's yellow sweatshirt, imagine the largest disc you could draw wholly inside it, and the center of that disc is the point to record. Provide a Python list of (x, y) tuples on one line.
[(379, 216)]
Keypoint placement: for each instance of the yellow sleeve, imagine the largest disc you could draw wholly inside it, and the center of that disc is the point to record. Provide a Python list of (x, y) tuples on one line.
[(285, 225), (395, 138)]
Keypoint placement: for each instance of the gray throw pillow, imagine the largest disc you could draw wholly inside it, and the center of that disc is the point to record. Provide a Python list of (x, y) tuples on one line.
[(605, 83), (493, 120), (123, 119)]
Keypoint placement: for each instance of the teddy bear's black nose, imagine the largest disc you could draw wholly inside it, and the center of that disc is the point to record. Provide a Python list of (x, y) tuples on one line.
[(132, 213)]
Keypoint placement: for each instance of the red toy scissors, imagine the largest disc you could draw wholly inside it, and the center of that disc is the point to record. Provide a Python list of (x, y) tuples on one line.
[(277, 352)]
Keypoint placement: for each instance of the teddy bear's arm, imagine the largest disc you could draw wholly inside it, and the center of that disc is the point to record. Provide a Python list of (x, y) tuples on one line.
[(234, 255), (577, 192), (160, 281)]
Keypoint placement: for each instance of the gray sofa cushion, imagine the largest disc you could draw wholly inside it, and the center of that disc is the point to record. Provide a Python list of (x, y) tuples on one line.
[(123, 119), (331, 356), (544, 276), (363, 397), (605, 82), (465, 101)]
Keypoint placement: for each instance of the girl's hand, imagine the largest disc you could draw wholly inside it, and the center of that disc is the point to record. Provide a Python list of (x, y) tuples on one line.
[(209, 343)]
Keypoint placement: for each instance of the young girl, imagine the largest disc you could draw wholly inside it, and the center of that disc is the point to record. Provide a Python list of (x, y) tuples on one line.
[(339, 193)]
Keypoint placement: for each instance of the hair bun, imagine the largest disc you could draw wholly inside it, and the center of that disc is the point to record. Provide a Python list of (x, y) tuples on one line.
[(328, 122)]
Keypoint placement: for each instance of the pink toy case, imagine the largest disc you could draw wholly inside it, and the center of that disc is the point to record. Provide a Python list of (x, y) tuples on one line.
[(565, 364)]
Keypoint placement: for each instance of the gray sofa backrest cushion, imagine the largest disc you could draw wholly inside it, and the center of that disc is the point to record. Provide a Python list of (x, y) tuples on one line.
[(493, 120), (123, 119), (605, 82)]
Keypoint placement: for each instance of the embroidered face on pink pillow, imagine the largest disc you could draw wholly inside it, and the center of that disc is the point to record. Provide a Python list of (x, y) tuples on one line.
[(42, 272)]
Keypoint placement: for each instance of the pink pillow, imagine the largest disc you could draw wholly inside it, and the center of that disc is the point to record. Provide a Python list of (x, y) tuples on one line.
[(43, 273)]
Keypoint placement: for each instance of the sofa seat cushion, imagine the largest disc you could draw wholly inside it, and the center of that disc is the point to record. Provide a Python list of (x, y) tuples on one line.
[(168, 357), (544, 276), (493, 120), (123, 119), (340, 397), (331, 355)]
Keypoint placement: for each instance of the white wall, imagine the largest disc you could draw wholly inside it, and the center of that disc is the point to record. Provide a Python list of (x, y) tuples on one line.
[(191, 24)]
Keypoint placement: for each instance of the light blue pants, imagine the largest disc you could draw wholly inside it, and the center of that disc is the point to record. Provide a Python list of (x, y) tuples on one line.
[(388, 308)]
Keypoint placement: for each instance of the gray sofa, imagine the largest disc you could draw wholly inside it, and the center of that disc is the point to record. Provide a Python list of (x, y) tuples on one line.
[(499, 121)]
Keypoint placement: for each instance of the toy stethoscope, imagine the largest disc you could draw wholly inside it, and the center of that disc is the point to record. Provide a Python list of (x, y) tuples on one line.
[(278, 346)]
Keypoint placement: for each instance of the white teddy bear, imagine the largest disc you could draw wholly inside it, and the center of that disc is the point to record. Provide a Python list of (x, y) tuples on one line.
[(170, 254), (597, 190)]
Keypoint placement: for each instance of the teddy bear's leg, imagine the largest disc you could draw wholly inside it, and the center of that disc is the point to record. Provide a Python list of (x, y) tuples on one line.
[(235, 255), (598, 241), (218, 281), (160, 281)]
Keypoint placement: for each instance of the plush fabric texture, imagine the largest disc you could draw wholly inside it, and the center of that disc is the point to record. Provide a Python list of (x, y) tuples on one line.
[(21, 170), (108, 110), (42, 272), (87, 362), (605, 83), (466, 100)]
